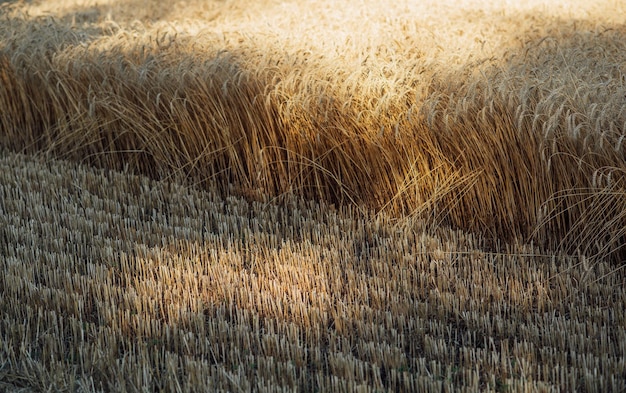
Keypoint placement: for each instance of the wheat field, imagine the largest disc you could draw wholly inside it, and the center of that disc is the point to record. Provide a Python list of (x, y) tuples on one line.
[(229, 195)]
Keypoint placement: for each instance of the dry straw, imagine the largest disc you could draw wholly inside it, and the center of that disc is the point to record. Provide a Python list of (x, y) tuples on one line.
[(113, 282), (503, 122)]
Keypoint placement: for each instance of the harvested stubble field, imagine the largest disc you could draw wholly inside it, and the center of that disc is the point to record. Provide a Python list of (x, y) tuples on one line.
[(312, 196)]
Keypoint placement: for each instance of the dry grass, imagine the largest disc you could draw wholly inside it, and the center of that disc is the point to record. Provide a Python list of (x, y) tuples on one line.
[(119, 283), (505, 122)]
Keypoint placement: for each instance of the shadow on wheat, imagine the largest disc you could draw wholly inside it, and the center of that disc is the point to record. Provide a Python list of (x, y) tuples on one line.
[(517, 145)]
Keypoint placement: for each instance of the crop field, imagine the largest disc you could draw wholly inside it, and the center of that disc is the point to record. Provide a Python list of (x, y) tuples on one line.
[(230, 195)]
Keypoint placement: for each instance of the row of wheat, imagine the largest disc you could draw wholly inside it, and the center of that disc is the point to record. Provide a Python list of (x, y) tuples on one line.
[(525, 140)]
